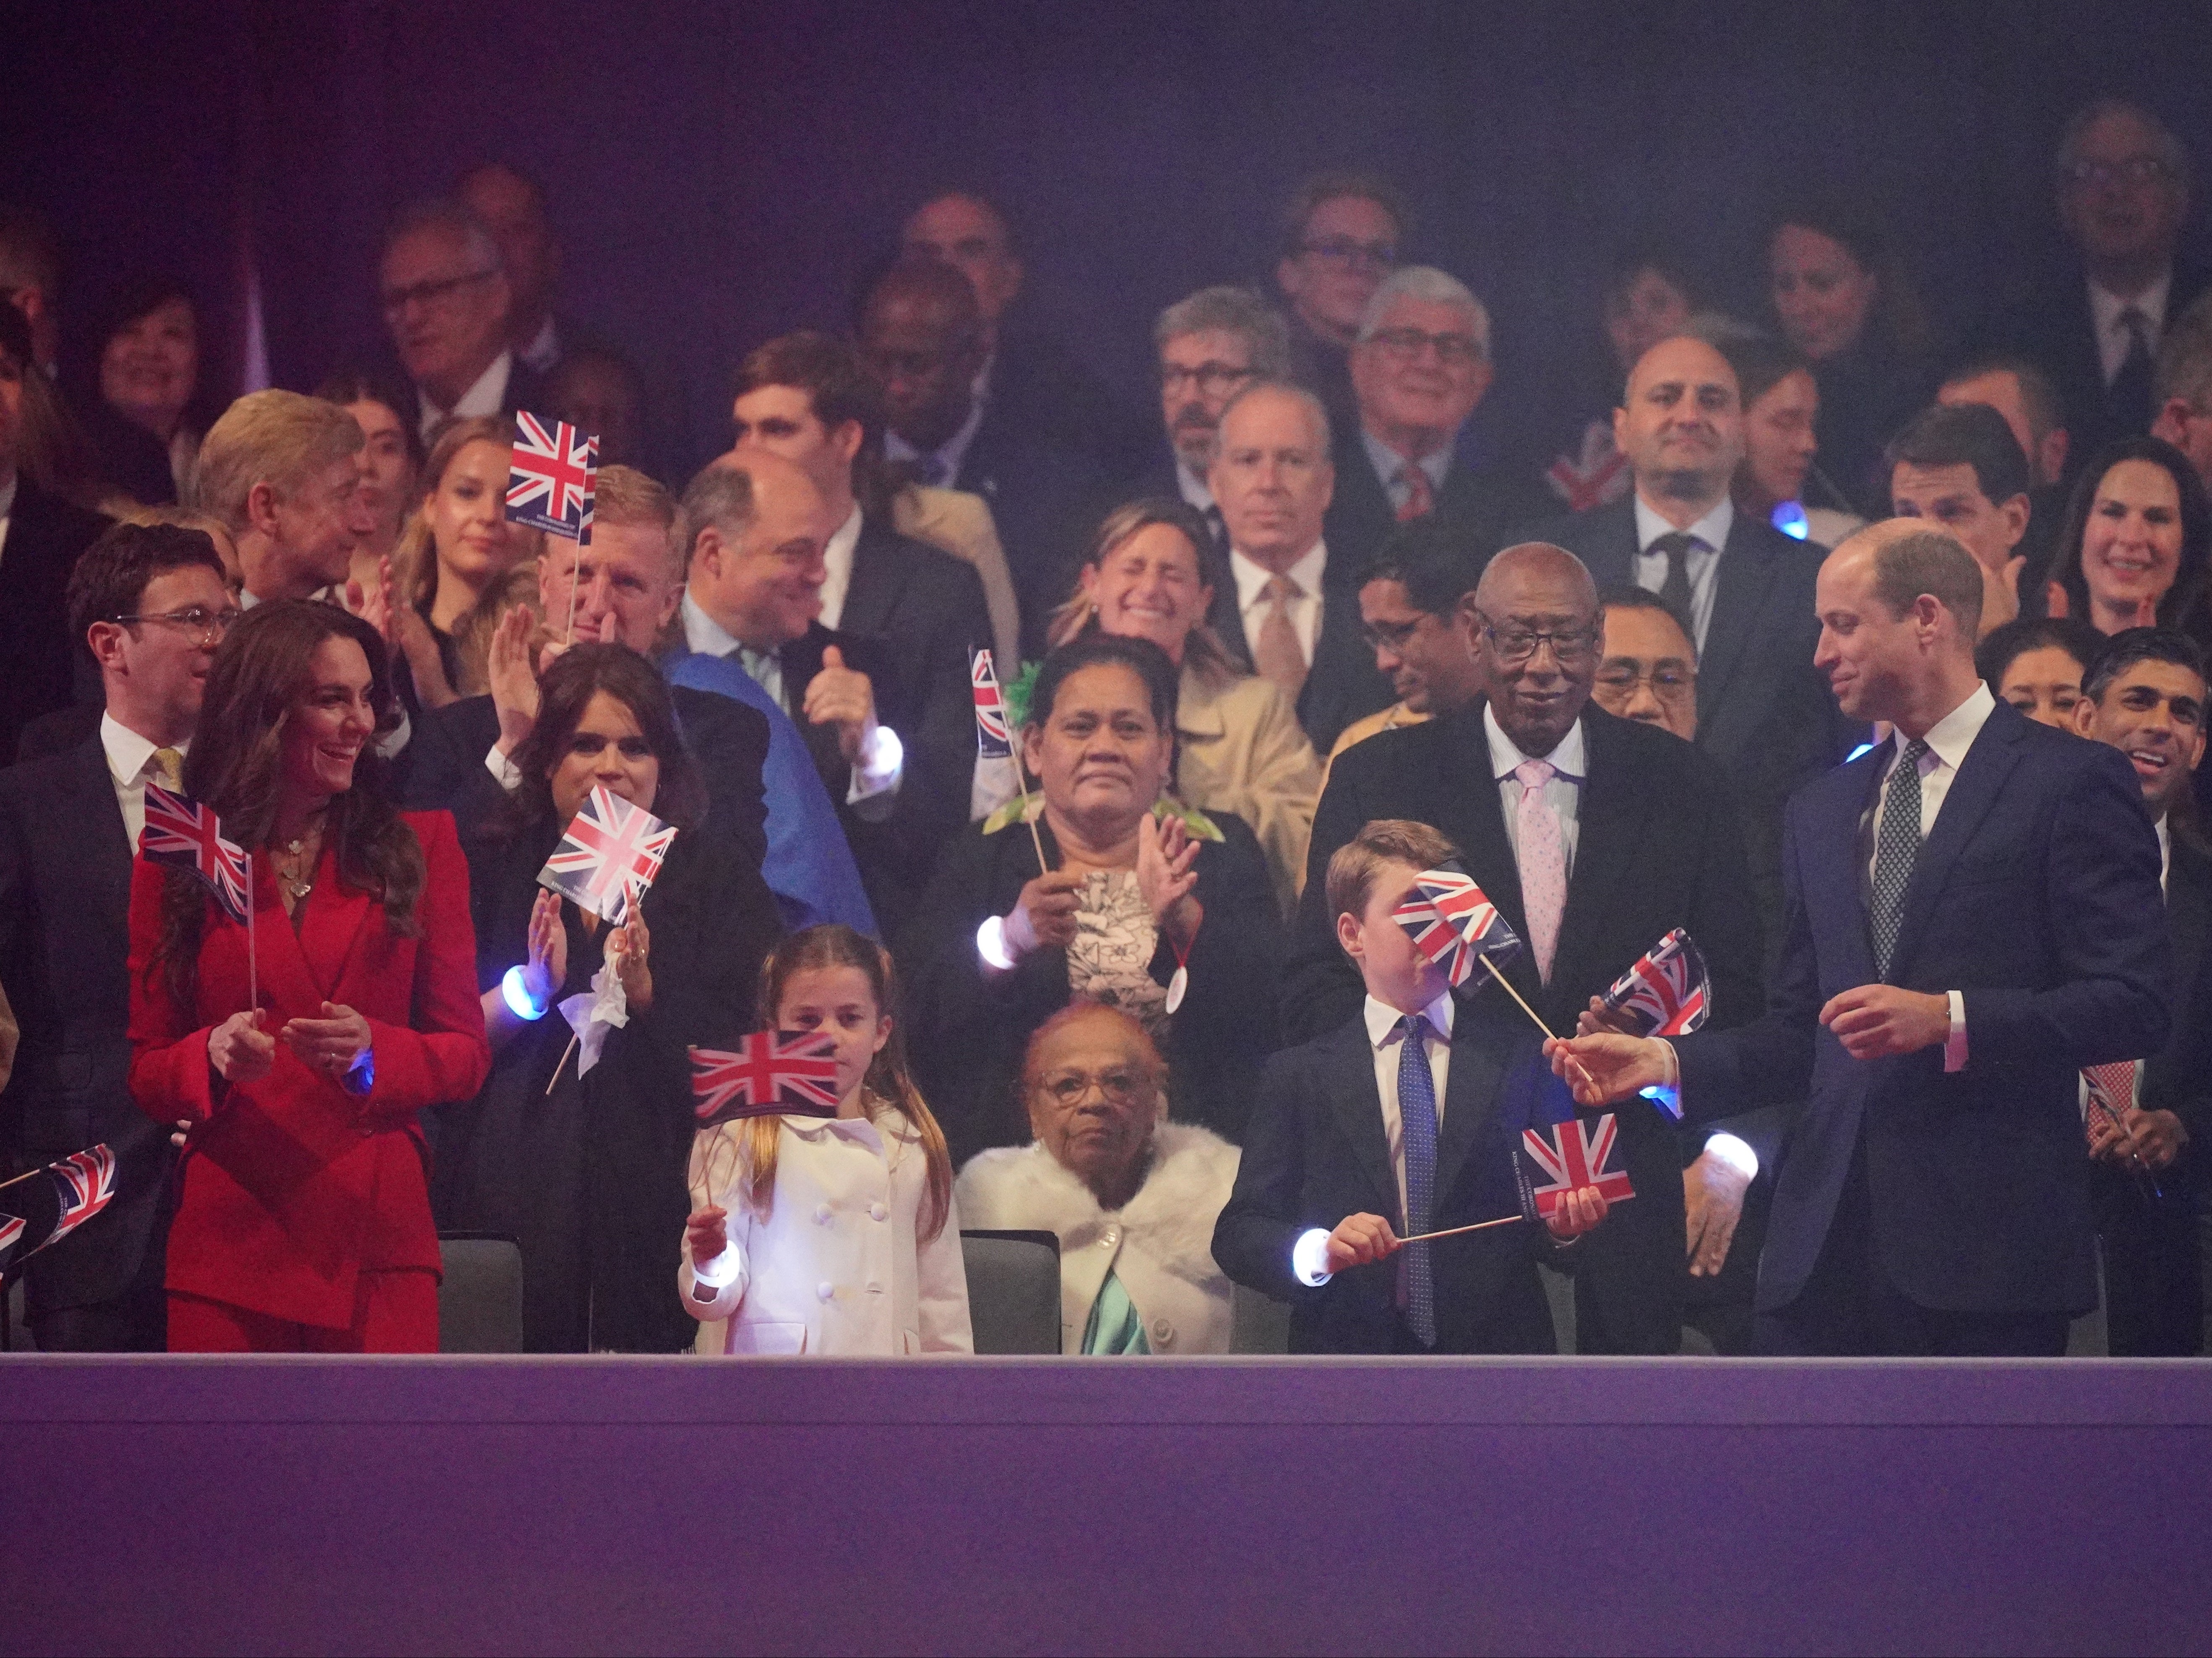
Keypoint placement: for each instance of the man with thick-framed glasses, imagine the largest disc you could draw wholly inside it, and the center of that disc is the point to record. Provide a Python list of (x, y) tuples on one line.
[(1210, 345)]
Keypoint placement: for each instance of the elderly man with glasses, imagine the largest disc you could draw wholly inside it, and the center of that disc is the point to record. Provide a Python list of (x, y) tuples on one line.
[(1420, 366), (446, 302), (1595, 836)]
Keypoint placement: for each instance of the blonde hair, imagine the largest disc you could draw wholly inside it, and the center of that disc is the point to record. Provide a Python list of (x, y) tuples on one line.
[(278, 438), (414, 554), (1203, 652), (889, 1084), (1353, 866), (622, 494)]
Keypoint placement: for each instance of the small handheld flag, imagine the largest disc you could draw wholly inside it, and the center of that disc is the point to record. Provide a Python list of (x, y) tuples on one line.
[(608, 857), (992, 740), (183, 832), (1453, 924), (1667, 992), (551, 477), (46, 1205), (88, 1184), (776, 1073), (1572, 1158)]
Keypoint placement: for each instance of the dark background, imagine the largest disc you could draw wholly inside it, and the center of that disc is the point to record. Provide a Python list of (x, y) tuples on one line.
[(720, 174)]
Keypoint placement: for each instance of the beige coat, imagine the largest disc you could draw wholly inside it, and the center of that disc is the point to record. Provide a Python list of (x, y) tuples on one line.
[(955, 522), (1244, 753)]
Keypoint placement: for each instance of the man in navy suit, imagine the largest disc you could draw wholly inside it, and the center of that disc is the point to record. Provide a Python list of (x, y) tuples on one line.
[(1974, 916)]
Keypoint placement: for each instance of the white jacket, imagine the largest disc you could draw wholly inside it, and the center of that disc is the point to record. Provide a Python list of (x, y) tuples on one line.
[(1160, 1244), (837, 1267)]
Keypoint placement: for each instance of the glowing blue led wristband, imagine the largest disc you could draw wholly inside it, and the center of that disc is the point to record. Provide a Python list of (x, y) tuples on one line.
[(517, 996)]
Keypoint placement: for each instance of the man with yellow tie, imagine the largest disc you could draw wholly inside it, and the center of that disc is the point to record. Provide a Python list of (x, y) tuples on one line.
[(151, 605)]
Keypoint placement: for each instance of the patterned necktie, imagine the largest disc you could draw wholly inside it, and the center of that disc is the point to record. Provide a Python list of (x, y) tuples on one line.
[(1276, 652), (1420, 495), (1676, 546), (1543, 859), (1417, 1112), (168, 766), (1895, 852), (2115, 1082)]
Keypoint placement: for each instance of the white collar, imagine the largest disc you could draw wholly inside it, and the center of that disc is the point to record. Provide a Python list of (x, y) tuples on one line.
[(1954, 733), (2104, 305), (127, 751), (1570, 759), (1253, 577), (483, 397), (837, 558), (1382, 1018), (1712, 529), (1388, 461), (1193, 487), (703, 633), (544, 348)]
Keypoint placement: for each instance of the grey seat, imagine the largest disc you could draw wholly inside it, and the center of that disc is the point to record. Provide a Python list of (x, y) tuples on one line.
[(480, 1295), (1013, 1290)]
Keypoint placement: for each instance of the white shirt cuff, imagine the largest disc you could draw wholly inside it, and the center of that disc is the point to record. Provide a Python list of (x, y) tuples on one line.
[(1309, 1258), (389, 745), (503, 771), (882, 763), (1954, 1046)]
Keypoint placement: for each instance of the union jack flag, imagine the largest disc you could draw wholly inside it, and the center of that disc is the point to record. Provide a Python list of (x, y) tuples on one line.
[(550, 477), (1452, 923), (11, 1234), (1597, 475), (1667, 992), (992, 741), (185, 832), (608, 857), (1573, 1156), (87, 1185), (776, 1073)]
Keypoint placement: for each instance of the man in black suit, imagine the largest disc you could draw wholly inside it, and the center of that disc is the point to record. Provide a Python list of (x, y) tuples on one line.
[(151, 603), (1974, 917), (283, 473), (899, 777), (2123, 180), (1644, 839), (2144, 696), (1420, 366), (1744, 587), (1402, 1120), (1032, 459), (448, 304), (1290, 608), (40, 536)]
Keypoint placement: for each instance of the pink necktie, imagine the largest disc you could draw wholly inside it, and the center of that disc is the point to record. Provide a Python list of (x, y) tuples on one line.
[(1543, 854), (2115, 1082)]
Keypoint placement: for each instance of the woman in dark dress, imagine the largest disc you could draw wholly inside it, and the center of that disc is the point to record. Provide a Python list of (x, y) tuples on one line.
[(588, 1177), (1138, 886)]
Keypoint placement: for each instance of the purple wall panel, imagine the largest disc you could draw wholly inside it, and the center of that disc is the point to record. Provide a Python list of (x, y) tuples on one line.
[(1175, 1506)]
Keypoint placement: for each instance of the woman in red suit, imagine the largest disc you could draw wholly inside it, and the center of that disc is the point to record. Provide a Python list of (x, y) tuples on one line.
[(303, 1221)]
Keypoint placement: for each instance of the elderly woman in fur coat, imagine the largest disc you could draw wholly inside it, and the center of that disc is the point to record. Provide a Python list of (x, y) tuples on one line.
[(1132, 1196)]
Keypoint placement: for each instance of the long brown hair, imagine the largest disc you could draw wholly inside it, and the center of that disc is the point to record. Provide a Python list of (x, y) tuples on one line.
[(235, 762), (889, 1080), (414, 554), (574, 677)]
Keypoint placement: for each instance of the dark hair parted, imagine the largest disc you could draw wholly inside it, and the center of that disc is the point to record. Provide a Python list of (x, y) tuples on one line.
[(110, 577), (1096, 650), (2006, 645), (2130, 646), (566, 691), (1965, 435), (265, 665), (2185, 596), (839, 387), (1435, 558)]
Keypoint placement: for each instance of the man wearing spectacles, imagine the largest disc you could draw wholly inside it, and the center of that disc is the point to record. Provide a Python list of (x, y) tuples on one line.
[(2123, 180), (1647, 667), (1411, 617), (1340, 233), (151, 604), (1210, 345), (1420, 366), (446, 299)]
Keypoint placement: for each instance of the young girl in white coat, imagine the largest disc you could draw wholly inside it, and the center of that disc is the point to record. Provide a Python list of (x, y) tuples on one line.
[(829, 1235)]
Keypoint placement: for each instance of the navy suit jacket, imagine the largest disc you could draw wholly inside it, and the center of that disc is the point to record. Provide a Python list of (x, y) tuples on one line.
[(2037, 897), (1316, 1152)]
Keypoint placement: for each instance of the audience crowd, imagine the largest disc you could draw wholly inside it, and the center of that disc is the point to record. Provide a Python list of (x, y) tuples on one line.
[(1270, 650)]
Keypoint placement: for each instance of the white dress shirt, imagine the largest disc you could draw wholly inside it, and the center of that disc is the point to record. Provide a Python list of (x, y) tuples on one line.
[(1711, 533), (1384, 1034), (1388, 463), (131, 767), (543, 351), (1193, 489), (2113, 337), (837, 560), (1252, 600), (1563, 792), (484, 398)]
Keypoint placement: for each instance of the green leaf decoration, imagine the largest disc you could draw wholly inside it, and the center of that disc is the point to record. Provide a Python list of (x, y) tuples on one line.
[(1017, 695)]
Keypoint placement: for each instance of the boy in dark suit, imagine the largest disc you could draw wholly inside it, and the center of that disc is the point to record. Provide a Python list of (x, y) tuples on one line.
[(1403, 1121)]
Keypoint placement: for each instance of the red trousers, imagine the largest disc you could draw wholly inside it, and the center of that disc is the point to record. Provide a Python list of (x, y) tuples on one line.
[(394, 1312)]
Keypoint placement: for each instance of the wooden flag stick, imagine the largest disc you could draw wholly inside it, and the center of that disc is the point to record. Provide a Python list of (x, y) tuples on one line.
[(1021, 781), (1505, 984), (562, 1061), (252, 957), (1454, 1231)]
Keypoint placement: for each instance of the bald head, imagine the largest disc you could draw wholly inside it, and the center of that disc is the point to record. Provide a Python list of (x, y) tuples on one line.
[(1534, 620), (1536, 567), (1680, 424), (756, 526), (1899, 605)]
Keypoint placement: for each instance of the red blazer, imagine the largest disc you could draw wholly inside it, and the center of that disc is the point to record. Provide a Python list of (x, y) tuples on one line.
[(291, 1187)]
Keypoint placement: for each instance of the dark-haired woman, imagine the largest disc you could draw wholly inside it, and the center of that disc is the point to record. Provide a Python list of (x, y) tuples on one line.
[(1138, 892), (143, 408), (2136, 544), (303, 1219), (589, 1178)]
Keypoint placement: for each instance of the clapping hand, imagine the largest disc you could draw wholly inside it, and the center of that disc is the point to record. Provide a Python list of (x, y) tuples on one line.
[(629, 948), (330, 1044), (513, 678), (1044, 915), (1166, 873)]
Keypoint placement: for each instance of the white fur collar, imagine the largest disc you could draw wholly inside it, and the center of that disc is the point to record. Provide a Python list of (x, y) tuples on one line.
[(1023, 1188)]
